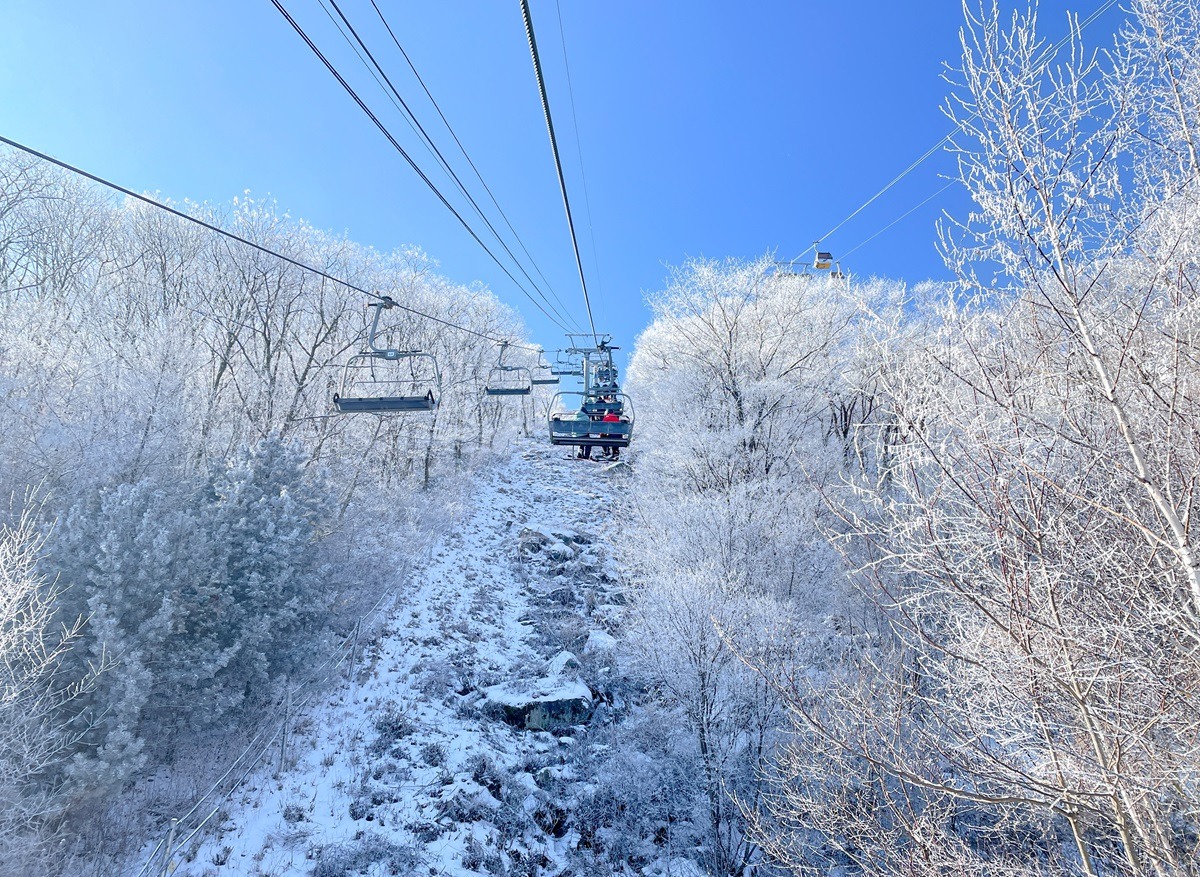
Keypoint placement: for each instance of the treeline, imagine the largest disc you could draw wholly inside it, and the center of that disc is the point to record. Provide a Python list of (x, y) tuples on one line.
[(917, 569), (190, 529)]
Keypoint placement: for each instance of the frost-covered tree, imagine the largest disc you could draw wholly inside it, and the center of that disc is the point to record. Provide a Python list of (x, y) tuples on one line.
[(742, 389), (36, 701), (169, 391), (1032, 547), (255, 616), (204, 598)]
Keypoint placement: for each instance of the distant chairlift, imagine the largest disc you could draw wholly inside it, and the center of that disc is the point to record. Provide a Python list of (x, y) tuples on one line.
[(567, 365), (604, 375), (600, 371), (543, 375), (508, 380), (825, 262), (789, 269), (387, 380)]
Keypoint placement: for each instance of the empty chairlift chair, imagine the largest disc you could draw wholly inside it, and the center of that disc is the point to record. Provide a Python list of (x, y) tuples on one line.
[(826, 262), (387, 380), (508, 380), (566, 365), (543, 375)]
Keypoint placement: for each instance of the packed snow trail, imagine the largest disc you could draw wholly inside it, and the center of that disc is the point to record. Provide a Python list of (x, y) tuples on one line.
[(435, 757)]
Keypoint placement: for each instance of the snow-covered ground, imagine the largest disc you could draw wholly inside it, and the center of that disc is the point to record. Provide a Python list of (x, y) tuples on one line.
[(436, 757)]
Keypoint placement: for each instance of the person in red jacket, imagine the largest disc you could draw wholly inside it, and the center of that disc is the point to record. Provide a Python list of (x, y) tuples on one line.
[(612, 452)]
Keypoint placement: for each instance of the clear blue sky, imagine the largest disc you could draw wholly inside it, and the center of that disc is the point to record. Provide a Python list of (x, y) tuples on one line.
[(706, 128)]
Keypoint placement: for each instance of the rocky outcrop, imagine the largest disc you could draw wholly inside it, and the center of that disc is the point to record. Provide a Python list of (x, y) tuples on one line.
[(557, 710)]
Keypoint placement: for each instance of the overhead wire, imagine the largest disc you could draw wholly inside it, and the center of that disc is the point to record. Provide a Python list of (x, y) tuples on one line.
[(463, 150), (1076, 30), (903, 216), (408, 158), (587, 201), (562, 182), (195, 220), (377, 71)]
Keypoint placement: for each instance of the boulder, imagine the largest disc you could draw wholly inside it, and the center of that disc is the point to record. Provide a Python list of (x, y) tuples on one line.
[(552, 705), (531, 541)]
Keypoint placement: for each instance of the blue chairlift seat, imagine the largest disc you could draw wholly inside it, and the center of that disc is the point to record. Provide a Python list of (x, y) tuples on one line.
[(582, 425), (383, 404), (543, 373), (507, 380), (567, 365)]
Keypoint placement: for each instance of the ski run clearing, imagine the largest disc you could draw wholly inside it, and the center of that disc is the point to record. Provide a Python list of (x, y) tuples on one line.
[(410, 766)]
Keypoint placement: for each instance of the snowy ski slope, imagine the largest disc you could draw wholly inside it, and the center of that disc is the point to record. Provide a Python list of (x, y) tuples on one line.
[(410, 767)]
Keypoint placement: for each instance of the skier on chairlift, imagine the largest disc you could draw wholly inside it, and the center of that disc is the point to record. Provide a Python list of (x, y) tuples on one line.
[(612, 452)]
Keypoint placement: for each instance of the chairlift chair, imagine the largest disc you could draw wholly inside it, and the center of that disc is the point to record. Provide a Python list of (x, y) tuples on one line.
[(600, 371), (606, 375), (568, 366), (387, 380), (794, 268), (581, 425), (543, 375), (508, 380)]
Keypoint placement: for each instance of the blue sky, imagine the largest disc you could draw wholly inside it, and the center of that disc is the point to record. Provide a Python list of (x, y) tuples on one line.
[(706, 128)]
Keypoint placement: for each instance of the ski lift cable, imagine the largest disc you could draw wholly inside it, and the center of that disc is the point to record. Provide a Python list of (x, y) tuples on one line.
[(377, 71), (333, 662), (587, 201), (1046, 57), (391, 139), (463, 150), (562, 182), (898, 219), (408, 158), (145, 199), (212, 788)]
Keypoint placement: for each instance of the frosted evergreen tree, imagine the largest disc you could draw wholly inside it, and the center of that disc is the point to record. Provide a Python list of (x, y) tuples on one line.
[(127, 555), (265, 592)]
